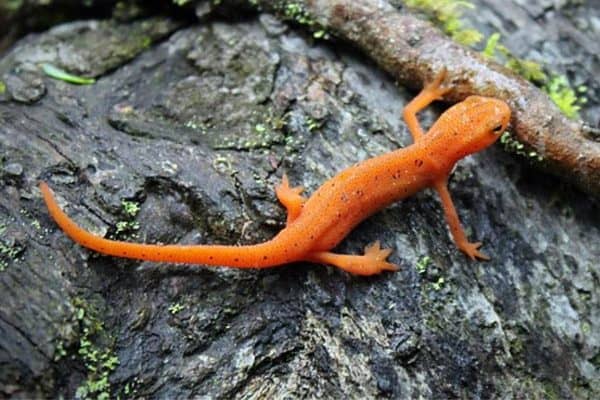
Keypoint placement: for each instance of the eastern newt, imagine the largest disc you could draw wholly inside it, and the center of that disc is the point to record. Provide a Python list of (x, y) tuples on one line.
[(318, 224)]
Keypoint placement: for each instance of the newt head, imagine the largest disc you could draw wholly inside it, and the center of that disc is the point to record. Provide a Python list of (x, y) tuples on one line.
[(471, 125)]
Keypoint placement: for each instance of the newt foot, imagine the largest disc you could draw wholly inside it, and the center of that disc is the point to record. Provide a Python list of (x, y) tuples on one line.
[(470, 249), (375, 259), (435, 88)]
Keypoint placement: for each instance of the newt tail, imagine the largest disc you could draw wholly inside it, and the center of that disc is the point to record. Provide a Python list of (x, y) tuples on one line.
[(253, 256), (288, 246)]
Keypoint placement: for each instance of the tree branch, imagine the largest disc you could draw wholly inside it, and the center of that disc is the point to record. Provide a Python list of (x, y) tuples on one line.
[(413, 50)]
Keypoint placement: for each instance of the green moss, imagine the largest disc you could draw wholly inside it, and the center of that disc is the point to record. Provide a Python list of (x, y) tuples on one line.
[(422, 264), (489, 50), (267, 131), (312, 124), (297, 13), (176, 308), (567, 99), (8, 250), (448, 15), (260, 128), (95, 350), (2, 87), (128, 226), (564, 96), (320, 34), (59, 351), (145, 42), (512, 145), (438, 284), (131, 208), (36, 224), (130, 389), (516, 347), (530, 70)]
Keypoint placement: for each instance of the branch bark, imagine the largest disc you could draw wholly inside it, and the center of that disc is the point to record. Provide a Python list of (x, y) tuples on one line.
[(412, 50)]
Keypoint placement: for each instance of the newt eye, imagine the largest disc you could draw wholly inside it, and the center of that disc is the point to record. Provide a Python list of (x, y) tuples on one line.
[(497, 129)]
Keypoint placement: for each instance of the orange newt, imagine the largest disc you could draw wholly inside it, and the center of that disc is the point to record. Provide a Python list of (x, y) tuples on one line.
[(318, 224)]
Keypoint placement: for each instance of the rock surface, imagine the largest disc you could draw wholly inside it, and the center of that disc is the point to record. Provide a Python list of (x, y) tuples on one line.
[(195, 126)]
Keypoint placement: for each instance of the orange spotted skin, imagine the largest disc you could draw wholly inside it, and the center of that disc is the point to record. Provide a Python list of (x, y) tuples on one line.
[(318, 224)]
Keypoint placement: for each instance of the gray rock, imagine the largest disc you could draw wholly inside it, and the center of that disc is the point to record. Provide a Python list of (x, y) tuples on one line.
[(197, 129)]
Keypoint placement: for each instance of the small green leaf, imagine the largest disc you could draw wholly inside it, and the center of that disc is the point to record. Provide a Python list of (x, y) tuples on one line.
[(175, 308), (59, 74), (490, 45), (320, 34), (422, 264), (260, 128)]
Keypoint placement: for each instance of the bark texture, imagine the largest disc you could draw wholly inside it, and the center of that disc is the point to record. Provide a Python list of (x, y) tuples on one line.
[(196, 124)]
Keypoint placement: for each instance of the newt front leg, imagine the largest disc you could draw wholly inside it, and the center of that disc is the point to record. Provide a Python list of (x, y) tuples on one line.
[(431, 92), (434, 91), (458, 234)]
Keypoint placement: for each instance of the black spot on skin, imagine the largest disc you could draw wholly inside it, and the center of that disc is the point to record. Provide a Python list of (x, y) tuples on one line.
[(210, 257), (236, 259), (312, 237), (265, 257), (418, 163)]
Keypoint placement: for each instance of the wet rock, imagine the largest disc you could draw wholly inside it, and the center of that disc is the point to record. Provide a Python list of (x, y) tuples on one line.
[(195, 128)]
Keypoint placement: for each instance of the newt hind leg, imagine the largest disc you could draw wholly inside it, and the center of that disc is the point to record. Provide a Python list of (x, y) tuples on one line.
[(431, 92), (371, 263), (290, 198)]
